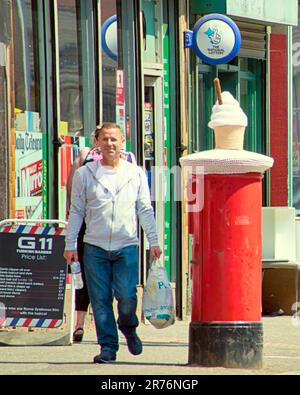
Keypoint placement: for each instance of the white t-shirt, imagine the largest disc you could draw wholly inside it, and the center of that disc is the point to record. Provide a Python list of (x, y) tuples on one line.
[(112, 174)]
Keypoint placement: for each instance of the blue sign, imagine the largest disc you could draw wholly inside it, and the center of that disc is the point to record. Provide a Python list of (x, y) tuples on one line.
[(216, 39), (110, 37), (188, 39)]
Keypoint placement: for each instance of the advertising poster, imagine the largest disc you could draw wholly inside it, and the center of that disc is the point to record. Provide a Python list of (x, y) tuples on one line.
[(67, 154), (148, 132), (120, 100), (32, 276), (29, 175)]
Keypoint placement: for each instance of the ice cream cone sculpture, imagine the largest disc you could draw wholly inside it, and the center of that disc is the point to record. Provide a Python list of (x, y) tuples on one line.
[(228, 121)]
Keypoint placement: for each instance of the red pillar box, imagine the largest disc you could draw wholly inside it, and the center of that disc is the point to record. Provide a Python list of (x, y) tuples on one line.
[(226, 328)]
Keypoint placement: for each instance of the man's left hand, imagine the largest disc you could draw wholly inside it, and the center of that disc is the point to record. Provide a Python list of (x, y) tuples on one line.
[(155, 252)]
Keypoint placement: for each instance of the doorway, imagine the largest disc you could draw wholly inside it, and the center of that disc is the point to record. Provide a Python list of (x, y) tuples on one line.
[(152, 145)]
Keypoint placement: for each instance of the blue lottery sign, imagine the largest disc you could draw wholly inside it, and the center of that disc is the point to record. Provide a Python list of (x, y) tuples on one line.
[(216, 39)]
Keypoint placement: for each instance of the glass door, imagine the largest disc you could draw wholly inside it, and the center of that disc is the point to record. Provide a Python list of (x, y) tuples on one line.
[(153, 158), (77, 95)]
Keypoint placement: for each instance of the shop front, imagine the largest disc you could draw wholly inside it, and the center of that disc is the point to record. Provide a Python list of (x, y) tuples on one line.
[(250, 77), (260, 78), (69, 65)]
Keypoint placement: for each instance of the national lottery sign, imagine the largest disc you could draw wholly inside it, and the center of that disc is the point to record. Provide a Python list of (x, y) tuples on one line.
[(216, 39)]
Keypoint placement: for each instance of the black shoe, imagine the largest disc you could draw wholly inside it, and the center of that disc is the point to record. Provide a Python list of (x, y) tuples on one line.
[(134, 344), (78, 335), (105, 356)]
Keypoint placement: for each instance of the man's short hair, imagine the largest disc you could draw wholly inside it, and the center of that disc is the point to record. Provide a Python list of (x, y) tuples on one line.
[(106, 126)]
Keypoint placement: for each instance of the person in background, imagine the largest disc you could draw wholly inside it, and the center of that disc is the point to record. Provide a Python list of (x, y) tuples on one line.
[(110, 194), (82, 299)]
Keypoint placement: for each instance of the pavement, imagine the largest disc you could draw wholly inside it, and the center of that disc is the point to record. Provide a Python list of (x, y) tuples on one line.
[(165, 353)]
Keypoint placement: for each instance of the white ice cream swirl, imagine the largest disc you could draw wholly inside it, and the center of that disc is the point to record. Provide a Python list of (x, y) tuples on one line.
[(228, 113)]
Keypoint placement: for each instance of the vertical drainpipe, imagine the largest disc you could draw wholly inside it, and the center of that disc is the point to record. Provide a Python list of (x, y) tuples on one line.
[(290, 114)]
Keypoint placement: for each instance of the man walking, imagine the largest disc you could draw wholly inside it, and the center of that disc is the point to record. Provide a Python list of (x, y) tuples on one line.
[(109, 194)]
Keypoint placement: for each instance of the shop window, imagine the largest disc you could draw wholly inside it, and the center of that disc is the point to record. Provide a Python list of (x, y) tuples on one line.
[(5, 28), (28, 152), (202, 135), (151, 24), (251, 78), (244, 64), (201, 132), (70, 67), (26, 64), (109, 66), (247, 104), (245, 83)]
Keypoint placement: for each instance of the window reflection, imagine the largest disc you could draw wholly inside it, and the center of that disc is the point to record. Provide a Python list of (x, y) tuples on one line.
[(71, 106), (28, 139), (26, 61), (109, 66), (199, 135)]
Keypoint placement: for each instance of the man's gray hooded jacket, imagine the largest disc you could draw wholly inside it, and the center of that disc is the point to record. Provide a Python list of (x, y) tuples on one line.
[(110, 216)]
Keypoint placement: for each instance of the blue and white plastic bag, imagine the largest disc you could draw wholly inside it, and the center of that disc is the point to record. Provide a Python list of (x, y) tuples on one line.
[(157, 303)]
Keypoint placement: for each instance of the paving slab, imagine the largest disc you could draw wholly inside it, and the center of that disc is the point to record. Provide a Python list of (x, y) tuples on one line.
[(165, 353)]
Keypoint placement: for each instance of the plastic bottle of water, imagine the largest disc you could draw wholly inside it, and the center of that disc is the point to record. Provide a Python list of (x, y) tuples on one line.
[(76, 274)]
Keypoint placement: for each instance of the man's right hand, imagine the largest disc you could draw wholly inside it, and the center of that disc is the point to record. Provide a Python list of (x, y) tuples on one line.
[(71, 256)]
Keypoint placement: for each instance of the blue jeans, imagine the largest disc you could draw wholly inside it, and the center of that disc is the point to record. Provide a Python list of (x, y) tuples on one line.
[(112, 274)]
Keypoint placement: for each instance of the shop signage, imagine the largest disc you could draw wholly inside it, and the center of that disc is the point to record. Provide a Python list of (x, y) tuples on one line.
[(120, 101), (110, 37), (216, 39), (29, 175), (32, 277)]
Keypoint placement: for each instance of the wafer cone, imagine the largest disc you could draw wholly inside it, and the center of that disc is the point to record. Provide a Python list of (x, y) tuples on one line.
[(229, 137)]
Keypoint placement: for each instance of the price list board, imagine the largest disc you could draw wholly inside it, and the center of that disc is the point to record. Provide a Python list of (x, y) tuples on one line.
[(32, 278)]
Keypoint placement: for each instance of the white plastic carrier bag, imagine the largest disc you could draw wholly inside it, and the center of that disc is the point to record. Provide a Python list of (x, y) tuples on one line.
[(157, 303)]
